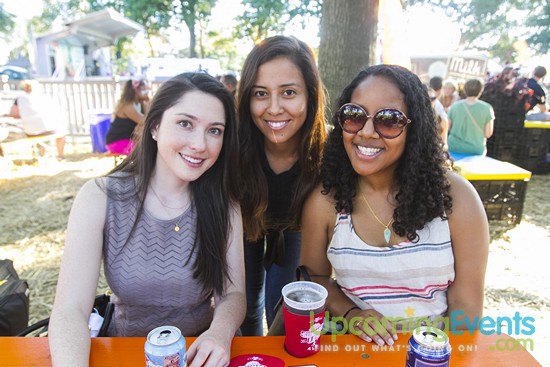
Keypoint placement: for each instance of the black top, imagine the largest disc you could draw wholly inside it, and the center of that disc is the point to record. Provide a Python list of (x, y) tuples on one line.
[(539, 96), (120, 129), (281, 189)]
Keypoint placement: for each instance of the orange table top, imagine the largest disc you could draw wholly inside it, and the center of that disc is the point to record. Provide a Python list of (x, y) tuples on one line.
[(347, 350)]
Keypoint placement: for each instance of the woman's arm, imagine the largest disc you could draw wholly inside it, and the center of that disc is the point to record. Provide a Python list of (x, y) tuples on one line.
[(214, 345), (69, 336), (130, 111), (318, 220), (14, 111), (470, 241), (489, 128)]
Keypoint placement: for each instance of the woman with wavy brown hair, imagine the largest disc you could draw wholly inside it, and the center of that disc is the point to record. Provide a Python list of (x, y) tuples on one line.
[(282, 132)]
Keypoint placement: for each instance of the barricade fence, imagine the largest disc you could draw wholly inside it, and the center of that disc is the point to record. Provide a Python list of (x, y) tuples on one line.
[(75, 98)]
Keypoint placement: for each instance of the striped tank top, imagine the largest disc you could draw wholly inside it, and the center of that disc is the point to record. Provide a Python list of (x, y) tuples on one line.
[(404, 281)]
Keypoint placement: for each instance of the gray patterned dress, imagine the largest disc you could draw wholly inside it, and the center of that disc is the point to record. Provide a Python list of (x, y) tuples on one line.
[(149, 272)]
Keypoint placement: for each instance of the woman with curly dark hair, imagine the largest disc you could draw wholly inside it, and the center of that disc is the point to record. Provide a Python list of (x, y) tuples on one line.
[(403, 236), (282, 133)]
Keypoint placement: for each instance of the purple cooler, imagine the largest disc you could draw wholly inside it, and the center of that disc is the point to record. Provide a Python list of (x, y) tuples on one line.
[(99, 121)]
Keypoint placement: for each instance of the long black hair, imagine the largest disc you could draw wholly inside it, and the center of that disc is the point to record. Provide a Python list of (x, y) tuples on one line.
[(420, 178), (214, 193), (312, 133)]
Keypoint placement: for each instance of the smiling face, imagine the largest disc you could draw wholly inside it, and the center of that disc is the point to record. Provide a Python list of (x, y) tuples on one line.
[(368, 152), (279, 101), (190, 136)]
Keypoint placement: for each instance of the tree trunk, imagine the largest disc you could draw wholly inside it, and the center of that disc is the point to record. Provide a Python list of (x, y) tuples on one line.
[(192, 40), (347, 42)]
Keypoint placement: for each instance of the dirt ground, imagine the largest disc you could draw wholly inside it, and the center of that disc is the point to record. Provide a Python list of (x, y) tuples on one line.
[(36, 200)]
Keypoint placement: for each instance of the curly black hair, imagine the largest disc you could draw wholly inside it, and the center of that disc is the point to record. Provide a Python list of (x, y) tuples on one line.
[(423, 188)]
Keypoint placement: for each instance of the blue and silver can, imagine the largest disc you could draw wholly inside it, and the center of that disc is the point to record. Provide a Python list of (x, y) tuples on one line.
[(428, 346), (165, 347)]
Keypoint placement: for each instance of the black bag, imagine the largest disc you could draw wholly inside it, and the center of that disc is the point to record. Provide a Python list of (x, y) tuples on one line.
[(14, 300), (103, 306)]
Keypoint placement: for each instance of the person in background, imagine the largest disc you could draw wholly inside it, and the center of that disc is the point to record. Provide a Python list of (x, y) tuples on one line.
[(282, 133), (230, 82), (442, 122), (128, 117), (501, 83), (166, 223), (538, 99), (436, 84), (39, 116), (449, 94), (471, 121), (403, 236)]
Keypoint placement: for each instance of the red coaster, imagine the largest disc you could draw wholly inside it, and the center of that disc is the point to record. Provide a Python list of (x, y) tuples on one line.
[(256, 360)]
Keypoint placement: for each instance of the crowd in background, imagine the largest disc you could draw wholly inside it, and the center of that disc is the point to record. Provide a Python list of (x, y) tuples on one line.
[(234, 183)]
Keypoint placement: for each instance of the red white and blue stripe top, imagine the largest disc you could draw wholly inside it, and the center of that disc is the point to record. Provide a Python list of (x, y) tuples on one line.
[(407, 280)]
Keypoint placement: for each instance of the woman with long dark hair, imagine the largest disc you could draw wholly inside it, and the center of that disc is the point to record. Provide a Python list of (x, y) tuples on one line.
[(167, 224), (128, 117), (282, 132)]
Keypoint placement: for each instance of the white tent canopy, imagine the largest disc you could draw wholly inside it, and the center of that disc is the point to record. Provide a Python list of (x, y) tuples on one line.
[(79, 39)]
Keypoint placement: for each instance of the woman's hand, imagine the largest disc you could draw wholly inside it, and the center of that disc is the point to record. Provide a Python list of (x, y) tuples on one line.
[(371, 325), (210, 349)]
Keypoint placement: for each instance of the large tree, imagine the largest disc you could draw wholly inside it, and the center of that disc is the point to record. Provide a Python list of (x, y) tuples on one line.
[(153, 15), (348, 38), (193, 12), (262, 17)]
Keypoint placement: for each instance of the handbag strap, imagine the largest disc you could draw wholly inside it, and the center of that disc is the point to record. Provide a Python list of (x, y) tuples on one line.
[(473, 119), (301, 271)]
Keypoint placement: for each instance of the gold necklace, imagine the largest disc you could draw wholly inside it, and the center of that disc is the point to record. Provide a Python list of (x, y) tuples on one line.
[(164, 206), (387, 230)]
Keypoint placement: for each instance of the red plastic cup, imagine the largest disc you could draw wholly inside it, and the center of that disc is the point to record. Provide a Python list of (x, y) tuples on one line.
[(301, 300)]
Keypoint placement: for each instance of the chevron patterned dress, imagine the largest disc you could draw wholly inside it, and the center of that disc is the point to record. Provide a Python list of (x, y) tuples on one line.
[(149, 269)]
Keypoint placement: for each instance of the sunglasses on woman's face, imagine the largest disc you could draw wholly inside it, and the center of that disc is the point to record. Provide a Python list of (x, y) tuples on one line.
[(389, 123)]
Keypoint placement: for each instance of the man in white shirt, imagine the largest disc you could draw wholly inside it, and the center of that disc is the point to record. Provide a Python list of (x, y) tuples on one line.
[(39, 116)]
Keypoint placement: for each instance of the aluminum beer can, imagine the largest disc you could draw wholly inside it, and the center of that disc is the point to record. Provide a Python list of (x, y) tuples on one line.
[(165, 347), (428, 346)]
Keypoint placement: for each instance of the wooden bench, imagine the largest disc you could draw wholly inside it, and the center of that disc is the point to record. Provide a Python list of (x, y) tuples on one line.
[(30, 148), (500, 185)]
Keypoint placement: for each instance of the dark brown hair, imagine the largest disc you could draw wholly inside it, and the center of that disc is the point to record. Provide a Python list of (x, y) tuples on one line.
[(312, 134), (214, 193)]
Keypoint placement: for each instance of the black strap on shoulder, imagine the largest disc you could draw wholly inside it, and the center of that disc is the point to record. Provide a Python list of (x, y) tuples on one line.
[(301, 272)]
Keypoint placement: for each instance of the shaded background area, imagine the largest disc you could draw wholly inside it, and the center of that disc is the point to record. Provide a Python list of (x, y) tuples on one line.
[(36, 200)]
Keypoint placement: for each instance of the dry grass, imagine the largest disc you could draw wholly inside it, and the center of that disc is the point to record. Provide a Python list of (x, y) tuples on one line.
[(36, 200)]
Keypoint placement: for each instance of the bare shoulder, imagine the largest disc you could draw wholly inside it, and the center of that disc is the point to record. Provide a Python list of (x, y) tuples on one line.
[(318, 217), (94, 188), (467, 205), (461, 188), (92, 196), (320, 205)]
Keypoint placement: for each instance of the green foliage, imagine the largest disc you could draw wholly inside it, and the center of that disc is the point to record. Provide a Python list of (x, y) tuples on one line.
[(504, 50), (539, 23), (192, 12), (488, 24), (7, 21), (223, 49), (262, 17)]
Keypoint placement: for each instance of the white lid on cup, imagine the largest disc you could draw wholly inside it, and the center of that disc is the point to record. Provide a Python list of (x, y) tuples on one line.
[(305, 304)]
